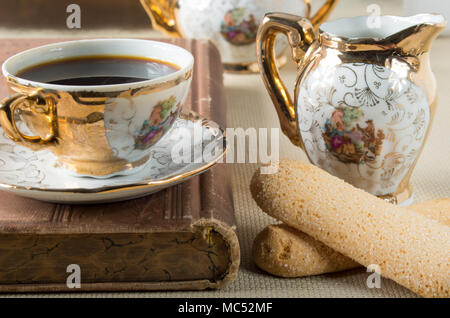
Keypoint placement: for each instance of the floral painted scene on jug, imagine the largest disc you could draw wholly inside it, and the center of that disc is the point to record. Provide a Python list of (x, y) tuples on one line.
[(363, 123), (347, 141)]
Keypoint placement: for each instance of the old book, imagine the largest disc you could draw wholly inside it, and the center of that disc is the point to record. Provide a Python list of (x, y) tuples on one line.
[(180, 238)]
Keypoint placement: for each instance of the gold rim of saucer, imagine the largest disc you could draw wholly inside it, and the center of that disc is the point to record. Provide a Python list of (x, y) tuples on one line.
[(186, 115)]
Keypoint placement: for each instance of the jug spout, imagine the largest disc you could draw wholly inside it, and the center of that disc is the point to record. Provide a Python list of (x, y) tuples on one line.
[(419, 33)]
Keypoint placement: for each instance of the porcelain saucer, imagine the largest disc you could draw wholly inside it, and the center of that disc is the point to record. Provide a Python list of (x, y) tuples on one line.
[(200, 143)]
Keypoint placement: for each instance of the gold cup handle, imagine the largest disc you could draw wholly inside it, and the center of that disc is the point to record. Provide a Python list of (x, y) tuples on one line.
[(323, 13), (300, 33), (39, 103), (162, 15)]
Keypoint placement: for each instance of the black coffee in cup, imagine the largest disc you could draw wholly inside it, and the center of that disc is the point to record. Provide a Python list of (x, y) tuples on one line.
[(97, 70)]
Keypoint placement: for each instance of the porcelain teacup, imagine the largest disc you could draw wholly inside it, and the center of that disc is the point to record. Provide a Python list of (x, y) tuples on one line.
[(97, 130)]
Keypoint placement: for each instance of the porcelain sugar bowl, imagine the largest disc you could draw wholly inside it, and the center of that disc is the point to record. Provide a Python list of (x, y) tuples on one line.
[(231, 25)]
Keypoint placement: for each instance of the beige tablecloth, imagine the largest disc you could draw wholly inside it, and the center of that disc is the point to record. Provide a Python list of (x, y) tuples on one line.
[(249, 106)]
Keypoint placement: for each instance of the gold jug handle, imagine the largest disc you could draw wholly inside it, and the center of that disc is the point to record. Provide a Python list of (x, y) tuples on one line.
[(162, 15), (301, 35), (323, 13), (39, 103)]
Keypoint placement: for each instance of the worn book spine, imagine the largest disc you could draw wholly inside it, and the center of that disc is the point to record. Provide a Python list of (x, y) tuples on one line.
[(181, 238)]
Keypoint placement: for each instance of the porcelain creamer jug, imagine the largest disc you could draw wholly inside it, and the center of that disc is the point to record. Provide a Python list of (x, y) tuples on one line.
[(231, 25), (364, 97)]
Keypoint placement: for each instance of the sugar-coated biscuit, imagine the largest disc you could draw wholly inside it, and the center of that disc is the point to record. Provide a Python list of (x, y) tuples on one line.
[(408, 247), (286, 252)]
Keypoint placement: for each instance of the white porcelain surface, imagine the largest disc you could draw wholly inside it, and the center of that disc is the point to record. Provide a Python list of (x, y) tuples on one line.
[(377, 120), (387, 25), (38, 175), (134, 124), (207, 18)]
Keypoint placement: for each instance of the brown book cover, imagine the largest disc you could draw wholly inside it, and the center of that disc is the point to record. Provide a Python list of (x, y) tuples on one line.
[(179, 238)]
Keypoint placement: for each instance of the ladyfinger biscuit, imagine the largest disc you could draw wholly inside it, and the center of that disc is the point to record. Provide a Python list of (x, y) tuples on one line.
[(408, 247), (284, 251)]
